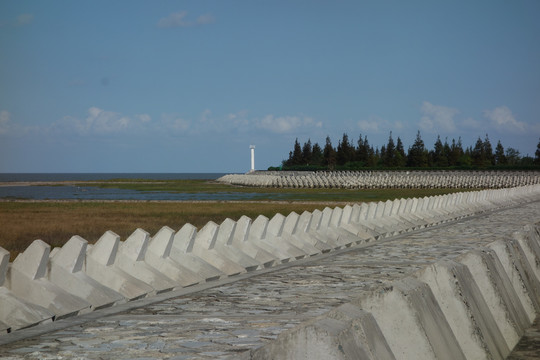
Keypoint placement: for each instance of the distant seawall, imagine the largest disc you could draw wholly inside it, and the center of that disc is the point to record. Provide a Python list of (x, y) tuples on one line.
[(385, 179)]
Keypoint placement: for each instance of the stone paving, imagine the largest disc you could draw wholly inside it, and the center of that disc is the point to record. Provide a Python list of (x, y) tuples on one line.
[(224, 321)]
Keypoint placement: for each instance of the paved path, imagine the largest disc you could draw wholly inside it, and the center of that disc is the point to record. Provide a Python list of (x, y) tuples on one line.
[(222, 321)]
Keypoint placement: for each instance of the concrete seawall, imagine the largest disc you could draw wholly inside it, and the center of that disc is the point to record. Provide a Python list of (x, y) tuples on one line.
[(385, 179), (62, 281)]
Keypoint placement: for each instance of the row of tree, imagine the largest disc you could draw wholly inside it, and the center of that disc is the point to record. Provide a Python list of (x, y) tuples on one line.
[(393, 155)]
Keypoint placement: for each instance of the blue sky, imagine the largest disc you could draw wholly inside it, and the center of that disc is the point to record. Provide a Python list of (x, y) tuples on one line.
[(187, 86)]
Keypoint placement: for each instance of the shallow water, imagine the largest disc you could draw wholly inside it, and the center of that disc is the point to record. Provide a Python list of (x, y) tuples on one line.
[(74, 192), (69, 192)]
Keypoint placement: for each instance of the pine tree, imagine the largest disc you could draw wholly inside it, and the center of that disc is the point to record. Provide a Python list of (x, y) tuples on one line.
[(316, 155), (401, 158), (537, 154), (500, 158), (362, 151), (329, 154), (488, 152), (512, 156), (297, 154), (307, 153), (345, 151), (417, 156), (478, 155), (389, 156)]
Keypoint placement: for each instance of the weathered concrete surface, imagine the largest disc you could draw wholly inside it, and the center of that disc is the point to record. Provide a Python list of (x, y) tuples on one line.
[(235, 317)]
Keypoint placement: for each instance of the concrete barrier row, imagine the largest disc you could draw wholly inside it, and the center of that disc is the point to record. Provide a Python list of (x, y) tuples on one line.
[(475, 307), (385, 179), (43, 285)]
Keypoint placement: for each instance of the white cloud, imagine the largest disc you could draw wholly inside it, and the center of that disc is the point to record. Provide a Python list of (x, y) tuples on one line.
[(174, 123), (5, 117), (369, 125), (471, 123), (180, 124), (205, 19), (503, 120), (239, 119), (144, 118), (437, 118), (377, 124), (24, 19), (178, 19), (98, 121), (205, 115), (284, 124), (101, 121)]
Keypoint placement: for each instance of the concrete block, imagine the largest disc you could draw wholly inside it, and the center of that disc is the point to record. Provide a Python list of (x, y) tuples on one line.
[(28, 280), (323, 339), (17, 313), (205, 241), (240, 240), (371, 211), (329, 225), (181, 252), (316, 217), (290, 223), (388, 206), (313, 237), (398, 207), (275, 225), (222, 246), (130, 258), (275, 239), (349, 222), (496, 288), (465, 310), (530, 247), (100, 265), (335, 216), (257, 236), (379, 210), (4, 262), (158, 255), (521, 275), (365, 329), (346, 215), (295, 236), (66, 271), (417, 328), (355, 214)]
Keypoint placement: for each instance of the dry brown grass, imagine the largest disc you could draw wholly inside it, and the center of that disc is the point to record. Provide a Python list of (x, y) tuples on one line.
[(56, 222)]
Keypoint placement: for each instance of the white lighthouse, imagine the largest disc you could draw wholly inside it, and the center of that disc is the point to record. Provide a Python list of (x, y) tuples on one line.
[(252, 148)]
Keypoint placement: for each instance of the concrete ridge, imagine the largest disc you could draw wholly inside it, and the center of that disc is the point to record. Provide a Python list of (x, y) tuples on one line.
[(476, 306), (385, 179), (42, 285)]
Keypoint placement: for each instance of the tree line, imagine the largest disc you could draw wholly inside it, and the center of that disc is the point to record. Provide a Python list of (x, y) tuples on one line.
[(348, 156)]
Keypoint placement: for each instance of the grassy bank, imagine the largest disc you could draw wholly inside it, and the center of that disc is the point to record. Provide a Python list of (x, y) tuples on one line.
[(55, 222)]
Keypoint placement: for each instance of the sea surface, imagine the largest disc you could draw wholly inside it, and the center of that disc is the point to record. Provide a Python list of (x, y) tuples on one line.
[(75, 192)]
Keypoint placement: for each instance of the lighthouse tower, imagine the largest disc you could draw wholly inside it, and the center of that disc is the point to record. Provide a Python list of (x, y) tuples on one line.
[(252, 148)]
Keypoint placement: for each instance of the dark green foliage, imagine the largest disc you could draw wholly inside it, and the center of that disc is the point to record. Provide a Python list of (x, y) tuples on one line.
[(418, 155), (537, 154), (393, 156), (329, 154), (500, 158)]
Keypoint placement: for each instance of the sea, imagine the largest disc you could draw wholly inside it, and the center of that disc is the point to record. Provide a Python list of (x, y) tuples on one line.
[(8, 190)]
